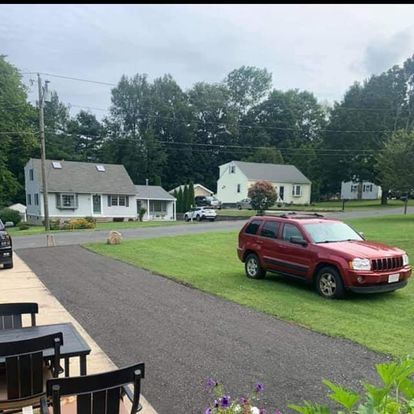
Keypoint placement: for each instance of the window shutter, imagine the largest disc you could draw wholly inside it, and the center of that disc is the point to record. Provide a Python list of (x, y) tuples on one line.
[(109, 201), (127, 201)]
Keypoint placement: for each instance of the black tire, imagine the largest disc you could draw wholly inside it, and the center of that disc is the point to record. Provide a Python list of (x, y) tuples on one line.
[(199, 218), (239, 207), (8, 265), (186, 218), (252, 267), (329, 283)]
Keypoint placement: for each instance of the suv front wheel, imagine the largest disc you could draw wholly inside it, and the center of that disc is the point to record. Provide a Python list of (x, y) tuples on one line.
[(253, 268), (329, 283)]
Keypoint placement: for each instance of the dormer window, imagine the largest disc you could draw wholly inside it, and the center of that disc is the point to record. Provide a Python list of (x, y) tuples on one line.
[(232, 169), (100, 168), (31, 174), (57, 165)]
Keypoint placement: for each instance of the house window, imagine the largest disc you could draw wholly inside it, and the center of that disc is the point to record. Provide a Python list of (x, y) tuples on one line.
[(367, 188), (36, 199), (238, 188), (296, 190), (31, 174), (232, 169), (158, 206), (354, 188), (29, 199), (115, 200), (67, 201)]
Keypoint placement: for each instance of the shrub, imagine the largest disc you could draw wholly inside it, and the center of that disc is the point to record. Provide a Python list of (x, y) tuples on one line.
[(90, 219), (141, 213), (79, 223), (262, 195), (394, 396), (53, 224), (118, 219), (7, 214), (23, 226)]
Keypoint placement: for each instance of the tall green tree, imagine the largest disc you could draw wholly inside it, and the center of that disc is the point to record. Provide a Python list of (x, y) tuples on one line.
[(185, 199), (87, 136), (191, 194), (18, 140), (266, 155), (180, 206)]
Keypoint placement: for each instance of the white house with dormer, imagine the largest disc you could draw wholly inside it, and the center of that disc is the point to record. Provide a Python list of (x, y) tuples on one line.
[(236, 177)]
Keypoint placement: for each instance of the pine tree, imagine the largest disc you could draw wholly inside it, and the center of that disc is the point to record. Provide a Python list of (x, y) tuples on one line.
[(185, 199), (180, 201)]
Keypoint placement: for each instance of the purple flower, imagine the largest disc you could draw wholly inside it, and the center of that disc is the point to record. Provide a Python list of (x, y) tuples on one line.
[(216, 403), (208, 411), (277, 412), (225, 401), (211, 383), (262, 411), (259, 387), (243, 400)]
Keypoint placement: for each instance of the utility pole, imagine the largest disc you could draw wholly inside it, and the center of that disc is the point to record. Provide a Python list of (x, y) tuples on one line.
[(42, 91)]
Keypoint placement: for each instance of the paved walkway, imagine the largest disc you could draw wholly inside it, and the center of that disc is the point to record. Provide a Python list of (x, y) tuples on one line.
[(20, 284), (185, 336)]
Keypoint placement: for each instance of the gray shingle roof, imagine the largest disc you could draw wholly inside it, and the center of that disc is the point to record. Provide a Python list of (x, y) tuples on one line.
[(83, 177), (152, 192), (272, 172)]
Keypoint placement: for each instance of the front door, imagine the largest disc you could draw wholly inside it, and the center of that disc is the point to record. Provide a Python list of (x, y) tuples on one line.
[(281, 192), (96, 200)]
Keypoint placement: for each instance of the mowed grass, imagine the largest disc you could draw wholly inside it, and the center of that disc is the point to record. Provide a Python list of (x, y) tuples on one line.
[(14, 231), (382, 322)]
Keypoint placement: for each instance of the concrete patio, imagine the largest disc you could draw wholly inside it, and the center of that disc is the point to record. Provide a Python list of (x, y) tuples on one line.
[(20, 284)]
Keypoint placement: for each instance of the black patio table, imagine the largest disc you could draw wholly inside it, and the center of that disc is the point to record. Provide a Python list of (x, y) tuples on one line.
[(73, 343)]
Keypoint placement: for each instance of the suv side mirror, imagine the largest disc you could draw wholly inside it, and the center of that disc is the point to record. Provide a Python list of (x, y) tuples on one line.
[(298, 240)]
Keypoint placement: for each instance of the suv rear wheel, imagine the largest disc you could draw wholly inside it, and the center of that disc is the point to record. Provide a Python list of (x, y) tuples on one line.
[(329, 283), (253, 268)]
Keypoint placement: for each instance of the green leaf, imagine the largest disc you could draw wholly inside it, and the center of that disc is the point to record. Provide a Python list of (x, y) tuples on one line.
[(347, 398), (310, 408)]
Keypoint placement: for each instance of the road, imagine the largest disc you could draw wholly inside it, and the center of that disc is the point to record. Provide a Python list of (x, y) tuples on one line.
[(80, 237), (185, 336)]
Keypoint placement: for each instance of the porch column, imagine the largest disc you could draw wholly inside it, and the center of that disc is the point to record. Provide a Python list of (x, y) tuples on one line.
[(174, 215), (148, 210)]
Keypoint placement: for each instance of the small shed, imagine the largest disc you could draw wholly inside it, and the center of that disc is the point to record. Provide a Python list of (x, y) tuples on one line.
[(21, 209)]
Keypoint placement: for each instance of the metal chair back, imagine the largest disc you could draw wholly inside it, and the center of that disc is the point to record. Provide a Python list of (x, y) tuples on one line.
[(11, 314)]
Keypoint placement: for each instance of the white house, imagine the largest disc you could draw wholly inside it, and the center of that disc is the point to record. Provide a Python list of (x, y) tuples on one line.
[(21, 209), (199, 190), (363, 190), (236, 177), (79, 189), (159, 204)]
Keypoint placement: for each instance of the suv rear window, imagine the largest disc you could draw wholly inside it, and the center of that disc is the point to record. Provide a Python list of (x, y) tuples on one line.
[(270, 229), (253, 226)]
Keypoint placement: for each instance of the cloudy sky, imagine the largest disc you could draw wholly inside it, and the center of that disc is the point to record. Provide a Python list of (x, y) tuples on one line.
[(321, 48)]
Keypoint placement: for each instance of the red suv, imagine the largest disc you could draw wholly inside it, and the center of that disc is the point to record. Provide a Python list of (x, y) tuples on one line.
[(322, 251)]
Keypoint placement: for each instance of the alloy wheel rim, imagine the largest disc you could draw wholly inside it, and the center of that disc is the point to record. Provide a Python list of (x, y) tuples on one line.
[(327, 284), (252, 267)]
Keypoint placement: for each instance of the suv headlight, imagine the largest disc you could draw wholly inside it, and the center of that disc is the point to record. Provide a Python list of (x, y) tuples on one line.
[(360, 264), (406, 260)]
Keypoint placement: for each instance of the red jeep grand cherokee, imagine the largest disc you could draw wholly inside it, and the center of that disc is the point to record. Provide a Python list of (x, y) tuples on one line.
[(322, 251)]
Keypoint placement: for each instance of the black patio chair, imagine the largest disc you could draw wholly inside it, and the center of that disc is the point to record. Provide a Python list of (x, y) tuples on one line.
[(24, 372), (11, 314), (98, 393)]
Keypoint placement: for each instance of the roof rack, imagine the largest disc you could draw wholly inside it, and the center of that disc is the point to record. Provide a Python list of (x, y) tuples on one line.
[(299, 216)]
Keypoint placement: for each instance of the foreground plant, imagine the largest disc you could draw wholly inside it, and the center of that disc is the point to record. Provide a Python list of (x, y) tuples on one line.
[(224, 404), (395, 396)]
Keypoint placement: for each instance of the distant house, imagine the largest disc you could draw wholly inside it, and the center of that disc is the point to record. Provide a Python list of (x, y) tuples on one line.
[(21, 209), (236, 177), (199, 190), (159, 204), (363, 190), (79, 189)]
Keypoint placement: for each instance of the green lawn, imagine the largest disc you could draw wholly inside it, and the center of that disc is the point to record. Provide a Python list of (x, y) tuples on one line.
[(382, 322), (14, 231)]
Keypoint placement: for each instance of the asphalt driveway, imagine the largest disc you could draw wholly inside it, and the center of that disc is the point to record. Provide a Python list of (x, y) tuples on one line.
[(185, 336)]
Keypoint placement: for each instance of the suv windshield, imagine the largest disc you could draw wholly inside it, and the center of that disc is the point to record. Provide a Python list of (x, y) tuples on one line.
[(327, 232)]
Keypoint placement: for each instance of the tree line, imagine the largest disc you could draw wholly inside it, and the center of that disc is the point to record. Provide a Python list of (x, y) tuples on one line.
[(171, 136)]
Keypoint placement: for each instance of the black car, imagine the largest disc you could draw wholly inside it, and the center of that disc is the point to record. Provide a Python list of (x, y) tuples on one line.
[(6, 252), (208, 201)]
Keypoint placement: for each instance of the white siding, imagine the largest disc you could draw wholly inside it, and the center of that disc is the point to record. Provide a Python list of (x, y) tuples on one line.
[(349, 191), (228, 182), (119, 211), (169, 215), (32, 187)]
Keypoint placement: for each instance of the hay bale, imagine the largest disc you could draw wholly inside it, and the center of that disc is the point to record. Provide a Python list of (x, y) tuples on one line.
[(114, 237)]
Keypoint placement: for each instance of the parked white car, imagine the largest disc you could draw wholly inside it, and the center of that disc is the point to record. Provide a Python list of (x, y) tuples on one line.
[(200, 213)]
